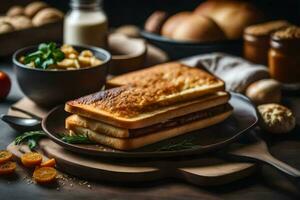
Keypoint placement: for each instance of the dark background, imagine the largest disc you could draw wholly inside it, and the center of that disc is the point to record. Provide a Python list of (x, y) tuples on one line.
[(136, 11)]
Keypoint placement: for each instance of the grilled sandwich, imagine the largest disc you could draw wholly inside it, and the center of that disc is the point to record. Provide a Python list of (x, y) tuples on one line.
[(150, 105)]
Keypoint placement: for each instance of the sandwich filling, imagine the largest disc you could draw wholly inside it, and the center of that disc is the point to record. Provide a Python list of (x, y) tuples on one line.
[(178, 121)]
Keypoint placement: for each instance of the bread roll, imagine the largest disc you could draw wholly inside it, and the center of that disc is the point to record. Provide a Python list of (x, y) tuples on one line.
[(15, 11), (6, 27), (4, 19), (20, 22), (264, 91), (232, 16), (47, 15), (34, 7), (155, 22), (172, 22), (276, 118), (198, 28)]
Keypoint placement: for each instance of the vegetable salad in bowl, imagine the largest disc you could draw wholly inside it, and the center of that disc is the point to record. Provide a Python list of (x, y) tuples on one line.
[(51, 57)]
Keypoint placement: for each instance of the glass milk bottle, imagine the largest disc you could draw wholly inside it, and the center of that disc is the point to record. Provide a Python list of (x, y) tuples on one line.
[(86, 24)]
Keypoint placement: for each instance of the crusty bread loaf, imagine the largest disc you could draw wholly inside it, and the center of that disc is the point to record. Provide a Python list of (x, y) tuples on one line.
[(172, 22), (130, 111), (133, 143), (198, 28), (231, 15)]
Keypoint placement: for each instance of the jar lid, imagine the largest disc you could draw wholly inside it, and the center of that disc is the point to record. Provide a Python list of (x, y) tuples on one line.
[(287, 39), (85, 3), (291, 32), (265, 29)]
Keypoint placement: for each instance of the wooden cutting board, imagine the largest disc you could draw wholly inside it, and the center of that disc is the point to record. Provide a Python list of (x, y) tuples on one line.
[(197, 170)]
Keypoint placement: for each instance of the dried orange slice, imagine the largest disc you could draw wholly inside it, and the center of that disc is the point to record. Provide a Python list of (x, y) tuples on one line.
[(49, 163), (44, 175), (7, 167), (31, 159), (5, 156)]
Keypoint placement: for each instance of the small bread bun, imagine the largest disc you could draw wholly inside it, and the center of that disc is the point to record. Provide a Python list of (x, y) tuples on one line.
[(276, 118), (172, 22), (264, 91), (4, 19), (155, 21), (34, 7), (197, 28), (20, 22), (6, 27), (232, 16), (47, 15), (15, 11)]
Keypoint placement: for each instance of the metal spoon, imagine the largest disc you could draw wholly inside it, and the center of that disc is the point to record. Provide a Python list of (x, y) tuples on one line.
[(22, 124)]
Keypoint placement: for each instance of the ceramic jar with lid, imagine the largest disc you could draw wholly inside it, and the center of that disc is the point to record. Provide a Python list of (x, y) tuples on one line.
[(257, 40), (284, 55)]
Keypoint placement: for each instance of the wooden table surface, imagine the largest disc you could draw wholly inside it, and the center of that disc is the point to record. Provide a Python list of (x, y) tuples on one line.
[(267, 183)]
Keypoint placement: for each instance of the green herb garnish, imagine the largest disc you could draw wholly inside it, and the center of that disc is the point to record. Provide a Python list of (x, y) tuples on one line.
[(46, 55), (77, 139), (175, 146), (31, 137)]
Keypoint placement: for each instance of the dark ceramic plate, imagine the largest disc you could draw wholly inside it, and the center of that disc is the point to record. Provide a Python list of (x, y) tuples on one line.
[(178, 49), (244, 117)]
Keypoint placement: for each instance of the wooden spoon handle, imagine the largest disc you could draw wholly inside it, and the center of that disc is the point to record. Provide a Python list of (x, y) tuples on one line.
[(264, 157), (281, 166)]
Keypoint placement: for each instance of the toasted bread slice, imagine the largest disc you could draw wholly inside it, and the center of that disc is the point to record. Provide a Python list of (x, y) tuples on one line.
[(170, 82), (97, 126), (172, 73), (137, 142), (101, 107), (113, 131)]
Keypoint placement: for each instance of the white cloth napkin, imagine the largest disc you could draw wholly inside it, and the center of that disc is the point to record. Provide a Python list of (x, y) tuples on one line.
[(237, 73)]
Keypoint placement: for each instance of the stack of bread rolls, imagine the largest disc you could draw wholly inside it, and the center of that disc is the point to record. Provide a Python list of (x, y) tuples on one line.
[(34, 14), (212, 20)]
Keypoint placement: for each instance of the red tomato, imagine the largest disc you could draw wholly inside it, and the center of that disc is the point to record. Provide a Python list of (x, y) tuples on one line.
[(5, 85)]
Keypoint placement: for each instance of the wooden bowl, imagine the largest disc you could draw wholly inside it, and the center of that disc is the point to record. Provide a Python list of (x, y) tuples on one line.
[(49, 88), (128, 54)]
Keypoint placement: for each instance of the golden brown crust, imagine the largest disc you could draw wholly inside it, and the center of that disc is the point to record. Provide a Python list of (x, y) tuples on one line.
[(151, 117), (155, 86), (198, 28), (171, 23), (169, 75)]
